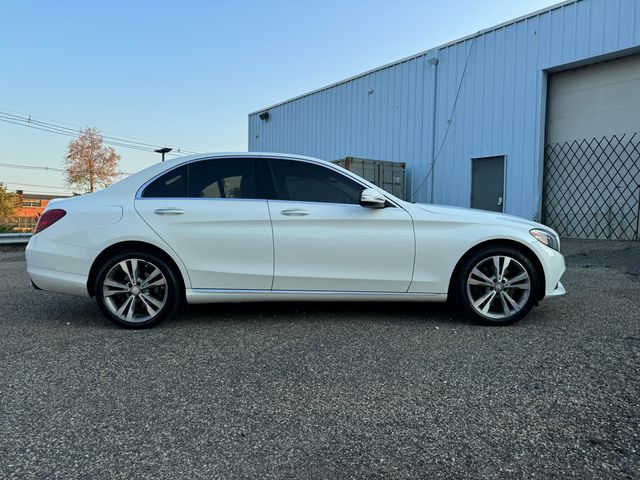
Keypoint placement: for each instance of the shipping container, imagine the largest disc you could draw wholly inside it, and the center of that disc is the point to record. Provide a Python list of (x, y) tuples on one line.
[(387, 175)]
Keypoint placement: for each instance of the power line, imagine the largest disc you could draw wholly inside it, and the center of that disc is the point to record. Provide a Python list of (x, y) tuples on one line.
[(450, 121), (26, 120), (42, 167), (31, 167), (71, 134), (77, 128)]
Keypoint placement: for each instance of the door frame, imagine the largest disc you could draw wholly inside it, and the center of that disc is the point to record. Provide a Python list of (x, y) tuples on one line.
[(505, 167)]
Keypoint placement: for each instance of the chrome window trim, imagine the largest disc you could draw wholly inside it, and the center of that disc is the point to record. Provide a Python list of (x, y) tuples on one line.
[(175, 199), (308, 202), (205, 198)]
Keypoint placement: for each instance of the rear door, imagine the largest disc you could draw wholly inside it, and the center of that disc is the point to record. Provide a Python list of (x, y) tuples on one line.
[(325, 241), (214, 215)]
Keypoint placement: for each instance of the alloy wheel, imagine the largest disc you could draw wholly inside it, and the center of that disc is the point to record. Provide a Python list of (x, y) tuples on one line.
[(135, 290), (498, 287)]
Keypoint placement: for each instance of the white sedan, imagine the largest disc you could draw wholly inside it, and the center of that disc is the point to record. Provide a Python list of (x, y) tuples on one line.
[(266, 227)]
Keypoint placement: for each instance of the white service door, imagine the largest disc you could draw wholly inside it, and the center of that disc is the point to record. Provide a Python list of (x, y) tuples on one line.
[(333, 243), (224, 242)]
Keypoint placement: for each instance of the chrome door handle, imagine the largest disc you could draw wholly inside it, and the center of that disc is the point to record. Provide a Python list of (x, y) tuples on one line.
[(294, 212), (168, 211)]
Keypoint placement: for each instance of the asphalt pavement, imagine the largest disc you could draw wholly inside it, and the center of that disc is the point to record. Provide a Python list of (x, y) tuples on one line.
[(325, 390)]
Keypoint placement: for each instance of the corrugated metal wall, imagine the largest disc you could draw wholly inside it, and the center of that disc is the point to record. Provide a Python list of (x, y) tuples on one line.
[(386, 114)]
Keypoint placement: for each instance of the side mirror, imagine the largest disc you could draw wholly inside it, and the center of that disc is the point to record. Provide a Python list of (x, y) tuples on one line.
[(371, 198)]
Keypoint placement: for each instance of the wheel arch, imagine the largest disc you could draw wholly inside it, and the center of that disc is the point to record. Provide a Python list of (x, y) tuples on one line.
[(124, 246), (520, 247)]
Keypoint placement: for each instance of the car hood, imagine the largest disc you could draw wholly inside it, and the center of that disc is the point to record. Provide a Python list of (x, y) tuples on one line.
[(478, 216)]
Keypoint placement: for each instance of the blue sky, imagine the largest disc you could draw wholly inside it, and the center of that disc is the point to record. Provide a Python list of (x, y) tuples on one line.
[(187, 73)]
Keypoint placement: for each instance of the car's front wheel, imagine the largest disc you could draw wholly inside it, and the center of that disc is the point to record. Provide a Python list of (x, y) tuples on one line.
[(137, 289), (497, 285)]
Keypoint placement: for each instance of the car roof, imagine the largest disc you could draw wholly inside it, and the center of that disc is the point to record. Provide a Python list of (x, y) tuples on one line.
[(214, 155)]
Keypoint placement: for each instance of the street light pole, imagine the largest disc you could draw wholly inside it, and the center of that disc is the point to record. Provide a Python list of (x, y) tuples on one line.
[(163, 151)]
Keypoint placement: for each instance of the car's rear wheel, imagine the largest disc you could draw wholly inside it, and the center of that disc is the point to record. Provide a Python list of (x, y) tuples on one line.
[(137, 289), (497, 285)]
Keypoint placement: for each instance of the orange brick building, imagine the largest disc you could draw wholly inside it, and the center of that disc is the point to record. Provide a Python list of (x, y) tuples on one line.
[(29, 208)]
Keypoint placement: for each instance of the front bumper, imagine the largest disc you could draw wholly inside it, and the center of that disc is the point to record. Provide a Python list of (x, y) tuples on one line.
[(557, 292), (553, 265)]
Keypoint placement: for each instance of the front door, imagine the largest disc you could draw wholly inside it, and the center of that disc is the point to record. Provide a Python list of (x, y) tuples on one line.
[(325, 241), (214, 215), (487, 188)]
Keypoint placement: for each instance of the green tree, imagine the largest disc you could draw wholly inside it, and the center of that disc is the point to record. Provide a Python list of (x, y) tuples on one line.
[(7, 206)]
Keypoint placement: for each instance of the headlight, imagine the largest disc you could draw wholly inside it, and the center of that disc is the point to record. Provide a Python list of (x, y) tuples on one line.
[(550, 239)]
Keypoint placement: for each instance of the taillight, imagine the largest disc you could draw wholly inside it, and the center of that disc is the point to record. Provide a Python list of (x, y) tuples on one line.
[(48, 218)]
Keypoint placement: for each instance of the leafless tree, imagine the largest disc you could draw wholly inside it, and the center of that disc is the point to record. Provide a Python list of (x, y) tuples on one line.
[(89, 164)]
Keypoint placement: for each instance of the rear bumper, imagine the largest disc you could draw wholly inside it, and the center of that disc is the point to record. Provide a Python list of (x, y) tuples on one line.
[(58, 267), (59, 282)]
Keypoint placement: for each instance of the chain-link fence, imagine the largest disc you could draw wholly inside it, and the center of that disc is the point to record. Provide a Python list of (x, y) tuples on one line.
[(592, 187)]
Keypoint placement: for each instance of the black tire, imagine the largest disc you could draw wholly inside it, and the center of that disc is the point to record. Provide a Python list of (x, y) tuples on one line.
[(499, 297), (145, 299)]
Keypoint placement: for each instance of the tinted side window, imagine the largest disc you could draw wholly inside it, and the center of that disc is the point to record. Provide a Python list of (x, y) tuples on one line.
[(307, 182), (171, 184), (224, 178)]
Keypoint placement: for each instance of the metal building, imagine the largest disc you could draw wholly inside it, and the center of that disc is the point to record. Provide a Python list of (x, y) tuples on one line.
[(537, 117)]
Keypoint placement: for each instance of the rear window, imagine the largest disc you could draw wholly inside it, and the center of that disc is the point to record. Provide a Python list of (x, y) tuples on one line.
[(170, 185), (224, 178), (215, 178)]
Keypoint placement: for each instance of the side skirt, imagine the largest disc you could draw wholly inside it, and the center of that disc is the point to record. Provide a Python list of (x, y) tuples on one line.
[(204, 295)]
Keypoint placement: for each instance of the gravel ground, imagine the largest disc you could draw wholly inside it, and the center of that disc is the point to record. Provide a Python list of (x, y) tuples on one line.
[(327, 390)]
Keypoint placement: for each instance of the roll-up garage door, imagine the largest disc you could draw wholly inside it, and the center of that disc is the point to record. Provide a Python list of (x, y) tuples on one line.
[(592, 152)]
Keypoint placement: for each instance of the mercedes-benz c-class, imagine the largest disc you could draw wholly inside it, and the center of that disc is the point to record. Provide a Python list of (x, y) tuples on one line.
[(268, 227)]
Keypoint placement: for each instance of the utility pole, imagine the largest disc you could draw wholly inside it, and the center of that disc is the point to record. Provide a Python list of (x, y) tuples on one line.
[(163, 151)]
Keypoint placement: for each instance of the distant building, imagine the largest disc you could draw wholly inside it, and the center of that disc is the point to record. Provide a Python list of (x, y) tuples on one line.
[(29, 208), (537, 117)]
